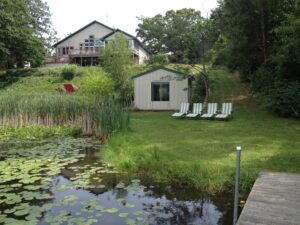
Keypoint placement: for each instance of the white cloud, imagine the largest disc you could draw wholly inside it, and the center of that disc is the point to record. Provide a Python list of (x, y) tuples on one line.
[(69, 15)]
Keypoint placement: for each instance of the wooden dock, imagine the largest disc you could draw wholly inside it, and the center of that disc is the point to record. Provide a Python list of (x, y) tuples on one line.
[(274, 200)]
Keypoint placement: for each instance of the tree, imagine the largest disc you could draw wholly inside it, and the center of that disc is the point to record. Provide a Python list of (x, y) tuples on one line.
[(116, 60), (248, 27), (41, 22), (260, 39), (281, 73), (23, 31), (177, 33)]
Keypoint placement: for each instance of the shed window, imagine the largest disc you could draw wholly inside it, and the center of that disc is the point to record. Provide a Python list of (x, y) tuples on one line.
[(160, 91)]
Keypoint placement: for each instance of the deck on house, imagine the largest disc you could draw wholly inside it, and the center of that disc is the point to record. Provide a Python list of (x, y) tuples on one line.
[(274, 200)]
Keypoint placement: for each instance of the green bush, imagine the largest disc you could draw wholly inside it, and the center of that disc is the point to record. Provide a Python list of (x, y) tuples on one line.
[(198, 89), (97, 86), (160, 58), (69, 72), (284, 98)]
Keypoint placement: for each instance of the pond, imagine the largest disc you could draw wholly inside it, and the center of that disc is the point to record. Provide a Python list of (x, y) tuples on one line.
[(63, 181)]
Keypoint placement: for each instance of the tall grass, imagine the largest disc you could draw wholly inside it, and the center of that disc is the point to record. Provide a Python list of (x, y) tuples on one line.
[(99, 119)]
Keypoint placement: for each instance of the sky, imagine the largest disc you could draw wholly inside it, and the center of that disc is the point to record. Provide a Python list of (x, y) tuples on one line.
[(69, 16)]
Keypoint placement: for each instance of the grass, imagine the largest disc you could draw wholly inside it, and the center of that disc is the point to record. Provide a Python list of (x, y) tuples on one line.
[(201, 154)]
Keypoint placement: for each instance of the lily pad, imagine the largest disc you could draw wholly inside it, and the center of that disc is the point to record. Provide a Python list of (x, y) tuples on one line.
[(128, 205), (112, 210), (22, 212), (138, 213), (123, 215)]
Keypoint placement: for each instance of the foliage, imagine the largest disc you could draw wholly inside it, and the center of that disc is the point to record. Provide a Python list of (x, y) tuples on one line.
[(41, 22), (159, 59), (277, 82), (37, 132), (260, 40), (198, 89), (69, 71), (96, 86), (283, 98), (249, 30), (182, 33), (117, 59), (23, 26)]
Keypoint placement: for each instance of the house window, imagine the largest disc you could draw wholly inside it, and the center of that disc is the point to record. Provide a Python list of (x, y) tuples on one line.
[(130, 43), (63, 50), (91, 36), (58, 51), (160, 91)]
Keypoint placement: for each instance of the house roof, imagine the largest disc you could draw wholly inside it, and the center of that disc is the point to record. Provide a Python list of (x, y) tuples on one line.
[(123, 32), (81, 29), (162, 68)]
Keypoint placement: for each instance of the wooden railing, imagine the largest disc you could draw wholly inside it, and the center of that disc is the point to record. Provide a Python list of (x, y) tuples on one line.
[(88, 53)]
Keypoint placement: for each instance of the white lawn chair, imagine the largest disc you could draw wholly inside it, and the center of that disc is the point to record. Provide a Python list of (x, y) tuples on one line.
[(184, 108), (211, 110), (197, 110), (226, 111)]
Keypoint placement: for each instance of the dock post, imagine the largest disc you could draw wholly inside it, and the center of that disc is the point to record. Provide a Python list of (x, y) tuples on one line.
[(237, 182)]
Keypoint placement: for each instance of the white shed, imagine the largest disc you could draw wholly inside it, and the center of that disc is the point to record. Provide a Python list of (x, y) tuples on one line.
[(161, 89)]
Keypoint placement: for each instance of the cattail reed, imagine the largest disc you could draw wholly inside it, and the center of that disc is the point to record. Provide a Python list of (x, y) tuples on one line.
[(99, 119)]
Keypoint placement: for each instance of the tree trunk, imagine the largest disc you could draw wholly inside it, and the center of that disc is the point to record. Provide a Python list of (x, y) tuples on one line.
[(205, 80), (263, 35)]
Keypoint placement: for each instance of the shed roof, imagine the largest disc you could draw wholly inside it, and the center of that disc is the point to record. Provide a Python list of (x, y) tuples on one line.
[(162, 68)]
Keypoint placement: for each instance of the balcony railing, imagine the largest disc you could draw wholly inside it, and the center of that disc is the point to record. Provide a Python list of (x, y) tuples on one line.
[(83, 52), (88, 53)]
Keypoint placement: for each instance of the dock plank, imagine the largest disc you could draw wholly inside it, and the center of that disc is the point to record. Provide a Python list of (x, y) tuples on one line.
[(273, 200)]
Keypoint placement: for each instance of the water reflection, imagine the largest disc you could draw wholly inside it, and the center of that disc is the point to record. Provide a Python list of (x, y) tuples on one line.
[(160, 204)]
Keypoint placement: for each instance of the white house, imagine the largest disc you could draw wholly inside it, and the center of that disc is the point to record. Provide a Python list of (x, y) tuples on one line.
[(161, 89), (84, 46)]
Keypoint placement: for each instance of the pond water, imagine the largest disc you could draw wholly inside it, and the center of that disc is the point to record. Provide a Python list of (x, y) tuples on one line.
[(63, 181)]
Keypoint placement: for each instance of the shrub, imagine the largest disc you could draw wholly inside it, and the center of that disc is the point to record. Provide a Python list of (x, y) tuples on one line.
[(159, 58), (69, 72), (97, 86), (284, 98), (198, 89)]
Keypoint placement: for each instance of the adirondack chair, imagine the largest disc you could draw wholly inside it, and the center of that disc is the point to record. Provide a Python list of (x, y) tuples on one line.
[(226, 111), (211, 110), (197, 110), (69, 88), (184, 108)]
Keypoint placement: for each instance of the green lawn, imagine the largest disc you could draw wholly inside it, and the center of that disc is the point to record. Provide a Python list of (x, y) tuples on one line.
[(202, 153)]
